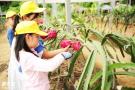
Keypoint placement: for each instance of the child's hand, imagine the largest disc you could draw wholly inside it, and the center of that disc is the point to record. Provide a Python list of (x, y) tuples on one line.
[(66, 55), (66, 48)]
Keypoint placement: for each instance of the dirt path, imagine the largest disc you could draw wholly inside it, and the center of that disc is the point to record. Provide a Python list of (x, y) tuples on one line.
[(4, 58)]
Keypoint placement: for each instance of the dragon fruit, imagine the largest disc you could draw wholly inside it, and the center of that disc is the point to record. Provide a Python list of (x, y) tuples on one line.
[(65, 43), (52, 34), (40, 21), (76, 45), (43, 37)]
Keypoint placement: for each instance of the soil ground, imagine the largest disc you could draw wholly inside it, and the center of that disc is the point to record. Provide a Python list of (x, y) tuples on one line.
[(4, 59)]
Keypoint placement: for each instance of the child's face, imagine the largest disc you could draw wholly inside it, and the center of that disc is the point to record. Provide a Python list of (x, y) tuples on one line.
[(10, 22), (35, 16), (32, 40)]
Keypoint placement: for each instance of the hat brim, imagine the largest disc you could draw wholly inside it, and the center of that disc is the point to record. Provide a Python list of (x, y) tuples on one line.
[(41, 33), (39, 10), (10, 15)]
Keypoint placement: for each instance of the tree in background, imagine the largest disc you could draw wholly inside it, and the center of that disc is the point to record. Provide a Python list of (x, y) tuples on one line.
[(128, 1), (9, 6)]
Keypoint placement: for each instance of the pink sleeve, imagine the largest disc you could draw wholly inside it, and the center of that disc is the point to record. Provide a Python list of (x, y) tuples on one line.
[(42, 65)]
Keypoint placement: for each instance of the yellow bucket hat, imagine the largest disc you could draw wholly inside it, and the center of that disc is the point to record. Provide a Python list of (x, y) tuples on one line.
[(30, 7), (10, 13), (25, 27)]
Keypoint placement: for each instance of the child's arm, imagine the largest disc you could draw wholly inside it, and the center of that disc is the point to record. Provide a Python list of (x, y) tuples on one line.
[(50, 54), (10, 35), (36, 64)]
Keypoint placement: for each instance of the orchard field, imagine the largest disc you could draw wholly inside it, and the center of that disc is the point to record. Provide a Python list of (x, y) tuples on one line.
[(104, 53)]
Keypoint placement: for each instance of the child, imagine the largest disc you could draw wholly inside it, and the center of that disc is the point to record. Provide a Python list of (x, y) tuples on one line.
[(10, 16), (34, 69)]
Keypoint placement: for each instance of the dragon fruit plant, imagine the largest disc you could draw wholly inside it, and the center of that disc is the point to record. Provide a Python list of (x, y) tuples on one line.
[(65, 43)]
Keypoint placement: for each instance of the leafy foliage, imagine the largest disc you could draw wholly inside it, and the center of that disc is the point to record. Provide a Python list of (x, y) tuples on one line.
[(10, 6), (124, 43), (124, 14)]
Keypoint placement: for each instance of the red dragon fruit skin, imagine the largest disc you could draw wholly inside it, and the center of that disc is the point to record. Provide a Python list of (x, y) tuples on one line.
[(76, 45), (40, 21), (52, 34), (43, 37), (65, 43)]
